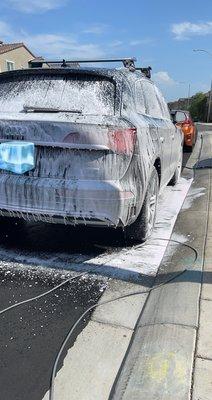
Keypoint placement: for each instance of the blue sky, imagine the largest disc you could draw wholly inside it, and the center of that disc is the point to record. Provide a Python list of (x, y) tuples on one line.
[(159, 33)]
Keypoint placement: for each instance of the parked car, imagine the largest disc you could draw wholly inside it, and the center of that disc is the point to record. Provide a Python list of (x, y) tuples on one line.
[(85, 147), (184, 121)]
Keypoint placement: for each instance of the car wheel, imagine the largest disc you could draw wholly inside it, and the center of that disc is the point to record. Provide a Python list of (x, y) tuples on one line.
[(175, 179), (142, 228)]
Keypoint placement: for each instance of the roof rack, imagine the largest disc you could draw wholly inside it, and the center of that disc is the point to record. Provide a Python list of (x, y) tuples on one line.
[(128, 62), (146, 71)]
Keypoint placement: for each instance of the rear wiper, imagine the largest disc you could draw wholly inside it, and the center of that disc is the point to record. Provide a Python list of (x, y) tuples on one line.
[(31, 109)]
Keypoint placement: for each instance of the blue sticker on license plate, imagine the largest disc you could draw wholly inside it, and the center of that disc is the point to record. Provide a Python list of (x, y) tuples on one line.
[(17, 156)]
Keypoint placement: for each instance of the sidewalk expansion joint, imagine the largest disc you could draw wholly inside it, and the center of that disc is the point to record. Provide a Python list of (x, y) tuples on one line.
[(195, 327), (99, 321), (205, 299), (204, 358)]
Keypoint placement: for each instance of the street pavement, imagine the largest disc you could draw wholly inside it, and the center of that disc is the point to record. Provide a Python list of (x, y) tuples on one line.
[(31, 335)]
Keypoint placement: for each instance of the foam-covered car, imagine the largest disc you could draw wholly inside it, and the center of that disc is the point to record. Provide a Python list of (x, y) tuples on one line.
[(85, 146)]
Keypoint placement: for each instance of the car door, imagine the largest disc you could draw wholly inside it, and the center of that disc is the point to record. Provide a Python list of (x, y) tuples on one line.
[(161, 125)]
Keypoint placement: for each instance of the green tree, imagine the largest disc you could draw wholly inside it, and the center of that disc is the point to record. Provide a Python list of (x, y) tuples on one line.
[(198, 106)]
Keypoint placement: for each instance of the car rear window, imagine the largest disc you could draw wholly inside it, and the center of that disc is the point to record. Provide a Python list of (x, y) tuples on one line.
[(90, 94)]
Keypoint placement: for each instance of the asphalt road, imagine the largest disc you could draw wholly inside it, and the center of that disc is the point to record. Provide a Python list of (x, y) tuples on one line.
[(30, 336)]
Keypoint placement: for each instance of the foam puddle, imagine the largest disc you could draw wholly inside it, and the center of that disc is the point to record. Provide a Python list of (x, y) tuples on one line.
[(128, 263), (145, 259)]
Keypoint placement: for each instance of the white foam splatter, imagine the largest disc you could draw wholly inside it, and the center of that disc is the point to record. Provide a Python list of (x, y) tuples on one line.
[(193, 194)]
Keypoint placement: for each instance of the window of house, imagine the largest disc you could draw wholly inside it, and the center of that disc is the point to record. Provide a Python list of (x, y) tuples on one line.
[(10, 65)]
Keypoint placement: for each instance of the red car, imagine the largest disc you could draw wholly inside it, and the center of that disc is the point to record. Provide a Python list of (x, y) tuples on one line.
[(183, 119)]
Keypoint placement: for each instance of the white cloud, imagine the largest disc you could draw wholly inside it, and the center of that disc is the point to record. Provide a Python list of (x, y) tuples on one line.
[(96, 29), (5, 30), (185, 30), (61, 46), (163, 78), (116, 43), (35, 6), (52, 45), (138, 42)]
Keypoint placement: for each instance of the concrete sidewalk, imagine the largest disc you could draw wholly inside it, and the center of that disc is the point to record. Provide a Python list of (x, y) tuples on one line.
[(170, 355)]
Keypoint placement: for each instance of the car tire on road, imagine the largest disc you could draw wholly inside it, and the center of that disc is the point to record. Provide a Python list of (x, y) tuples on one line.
[(175, 179), (141, 229)]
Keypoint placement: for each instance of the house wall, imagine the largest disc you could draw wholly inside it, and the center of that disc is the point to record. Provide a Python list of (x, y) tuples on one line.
[(19, 56)]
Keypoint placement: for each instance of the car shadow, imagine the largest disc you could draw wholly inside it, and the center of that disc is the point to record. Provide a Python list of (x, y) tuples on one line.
[(64, 248), (205, 163)]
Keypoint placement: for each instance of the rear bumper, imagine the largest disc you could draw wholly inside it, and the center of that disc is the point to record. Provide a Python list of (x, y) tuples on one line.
[(96, 203)]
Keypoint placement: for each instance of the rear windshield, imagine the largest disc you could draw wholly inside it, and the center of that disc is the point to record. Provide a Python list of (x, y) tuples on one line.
[(90, 95)]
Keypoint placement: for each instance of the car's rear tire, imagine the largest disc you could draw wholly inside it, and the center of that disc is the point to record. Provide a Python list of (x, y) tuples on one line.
[(175, 179), (142, 228)]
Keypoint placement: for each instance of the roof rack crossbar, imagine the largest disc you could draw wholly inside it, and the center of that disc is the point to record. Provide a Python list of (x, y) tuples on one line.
[(146, 71), (128, 62)]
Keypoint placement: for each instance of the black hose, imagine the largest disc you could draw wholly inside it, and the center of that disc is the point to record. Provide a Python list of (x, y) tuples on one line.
[(40, 295)]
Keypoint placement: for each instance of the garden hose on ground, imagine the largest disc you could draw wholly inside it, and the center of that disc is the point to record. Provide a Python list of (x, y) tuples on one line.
[(40, 295)]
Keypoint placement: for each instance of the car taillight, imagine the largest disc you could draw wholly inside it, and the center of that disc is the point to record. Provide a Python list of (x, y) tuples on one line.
[(122, 141), (186, 126)]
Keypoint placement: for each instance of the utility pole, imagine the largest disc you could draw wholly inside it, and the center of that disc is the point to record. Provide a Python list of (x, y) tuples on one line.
[(189, 95), (209, 104)]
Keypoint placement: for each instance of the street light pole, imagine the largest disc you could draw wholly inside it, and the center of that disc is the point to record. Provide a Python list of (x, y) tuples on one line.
[(210, 94), (209, 104), (189, 95)]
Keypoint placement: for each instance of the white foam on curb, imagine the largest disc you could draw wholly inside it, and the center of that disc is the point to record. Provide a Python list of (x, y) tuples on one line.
[(193, 194), (146, 258), (127, 263)]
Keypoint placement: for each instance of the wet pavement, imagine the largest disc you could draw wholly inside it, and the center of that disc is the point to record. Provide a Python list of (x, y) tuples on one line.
[(31, 334)]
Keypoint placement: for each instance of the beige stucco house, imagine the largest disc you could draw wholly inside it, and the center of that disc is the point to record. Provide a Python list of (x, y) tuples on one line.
[(14, 56)]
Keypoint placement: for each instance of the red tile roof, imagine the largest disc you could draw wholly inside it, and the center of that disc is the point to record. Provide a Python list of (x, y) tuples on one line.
[(5, 47)]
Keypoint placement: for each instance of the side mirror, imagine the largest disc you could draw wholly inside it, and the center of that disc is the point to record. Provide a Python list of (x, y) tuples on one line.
[(173, 117), (179, 117)]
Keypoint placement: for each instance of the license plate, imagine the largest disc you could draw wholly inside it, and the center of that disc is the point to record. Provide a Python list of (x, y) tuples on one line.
[(17, 156)]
